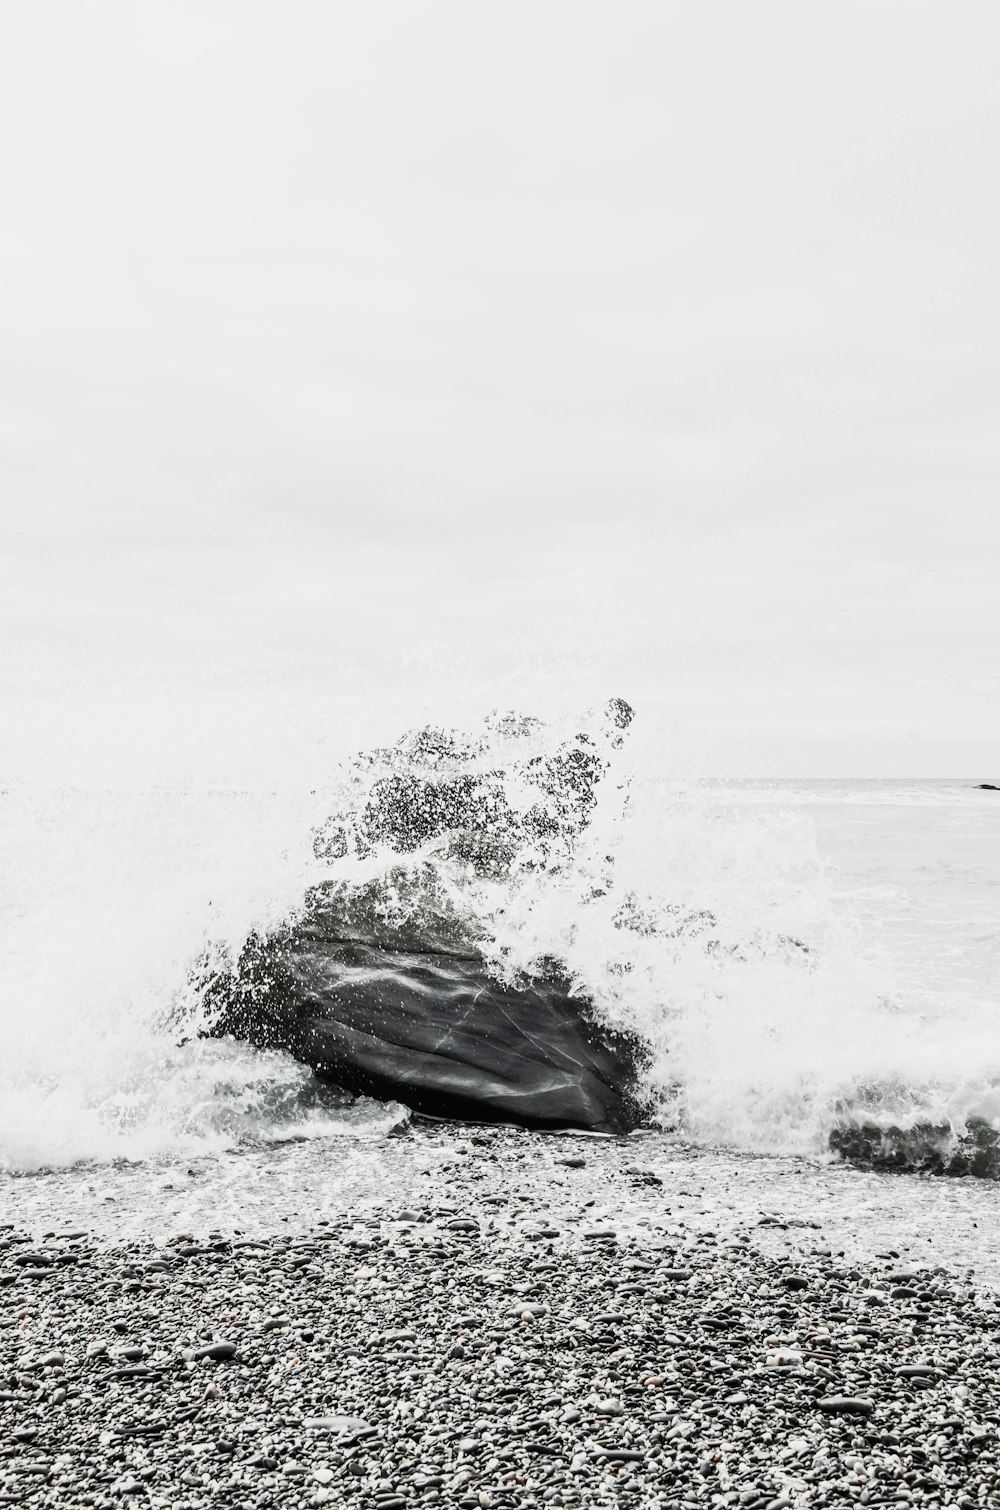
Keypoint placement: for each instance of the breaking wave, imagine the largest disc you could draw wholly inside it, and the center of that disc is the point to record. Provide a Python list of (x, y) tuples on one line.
[(791, 997)]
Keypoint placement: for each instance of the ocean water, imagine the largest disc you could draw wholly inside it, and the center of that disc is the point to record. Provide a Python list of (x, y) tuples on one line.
[(802, 956)]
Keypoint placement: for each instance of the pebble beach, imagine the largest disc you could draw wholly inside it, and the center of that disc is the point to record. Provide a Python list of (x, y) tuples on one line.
[(486, 1316)]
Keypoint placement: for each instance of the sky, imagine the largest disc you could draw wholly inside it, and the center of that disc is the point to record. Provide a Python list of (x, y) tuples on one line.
[(363, 363)]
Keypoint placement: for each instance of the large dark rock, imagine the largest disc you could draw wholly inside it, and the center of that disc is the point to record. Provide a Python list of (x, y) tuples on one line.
[(381, 983), (431, 1030)]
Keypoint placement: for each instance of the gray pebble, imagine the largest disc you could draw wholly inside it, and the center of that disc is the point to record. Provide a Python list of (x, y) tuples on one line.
[(846, 1405), (219, 1352)]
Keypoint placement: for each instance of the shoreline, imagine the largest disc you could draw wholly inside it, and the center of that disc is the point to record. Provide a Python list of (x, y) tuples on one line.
[(643, 1181), (489, 1317)]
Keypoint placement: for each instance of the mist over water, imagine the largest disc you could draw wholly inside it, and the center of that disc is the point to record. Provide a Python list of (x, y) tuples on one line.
[(797, 954)]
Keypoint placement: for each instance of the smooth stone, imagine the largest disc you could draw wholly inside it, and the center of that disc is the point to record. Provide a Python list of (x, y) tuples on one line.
[(618, 1455), (338, 1424), (219, 1352), (845, 1405)]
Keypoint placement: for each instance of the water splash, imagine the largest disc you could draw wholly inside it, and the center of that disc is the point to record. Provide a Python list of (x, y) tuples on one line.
[(793, 986)]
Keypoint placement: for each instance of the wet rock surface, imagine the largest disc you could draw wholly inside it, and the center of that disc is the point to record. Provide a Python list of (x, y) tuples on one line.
[(938, 1149), (434, 1031), (479, 1346)]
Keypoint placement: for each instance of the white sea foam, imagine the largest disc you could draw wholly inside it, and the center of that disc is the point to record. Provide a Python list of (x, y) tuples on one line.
[(106, 899), (794, 965), (797, 955)]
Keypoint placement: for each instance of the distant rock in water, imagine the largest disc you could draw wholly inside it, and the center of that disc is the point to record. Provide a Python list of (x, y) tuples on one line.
[(381, 984), (987, 786)]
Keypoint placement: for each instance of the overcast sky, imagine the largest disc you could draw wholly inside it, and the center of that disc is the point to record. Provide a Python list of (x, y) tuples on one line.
[(469, 352)]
